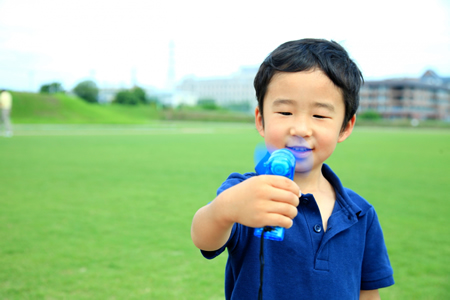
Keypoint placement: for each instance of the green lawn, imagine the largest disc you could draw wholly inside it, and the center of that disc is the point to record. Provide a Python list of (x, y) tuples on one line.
[(104, 212)]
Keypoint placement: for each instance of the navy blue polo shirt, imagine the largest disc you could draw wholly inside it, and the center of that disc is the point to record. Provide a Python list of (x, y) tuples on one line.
[(310, 263)]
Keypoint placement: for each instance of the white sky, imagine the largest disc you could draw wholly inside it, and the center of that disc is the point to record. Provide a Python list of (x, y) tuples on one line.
[(68, 41)]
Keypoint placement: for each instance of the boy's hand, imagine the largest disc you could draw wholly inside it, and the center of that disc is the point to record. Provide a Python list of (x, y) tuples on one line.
[(265, 200)]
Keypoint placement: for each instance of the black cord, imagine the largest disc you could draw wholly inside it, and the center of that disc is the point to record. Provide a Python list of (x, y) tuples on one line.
[(262, 262)]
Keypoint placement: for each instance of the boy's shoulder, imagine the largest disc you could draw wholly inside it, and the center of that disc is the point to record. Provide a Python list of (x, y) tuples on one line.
[(233, 179), (360, 201)]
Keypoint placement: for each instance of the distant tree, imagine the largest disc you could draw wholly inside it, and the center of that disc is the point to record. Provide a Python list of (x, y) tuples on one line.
[(51, 88), (370, 115), (126, 97), (140, 94), (208, 104), (87, 90), (133, 96)]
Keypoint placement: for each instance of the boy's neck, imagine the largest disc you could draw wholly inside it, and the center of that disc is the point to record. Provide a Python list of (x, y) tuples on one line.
[(312, 182)]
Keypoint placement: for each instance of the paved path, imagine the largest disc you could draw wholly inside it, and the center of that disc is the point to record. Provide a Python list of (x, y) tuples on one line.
[(164, 128)]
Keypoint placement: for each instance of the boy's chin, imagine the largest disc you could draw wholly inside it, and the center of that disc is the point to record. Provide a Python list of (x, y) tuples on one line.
[(303, 166)]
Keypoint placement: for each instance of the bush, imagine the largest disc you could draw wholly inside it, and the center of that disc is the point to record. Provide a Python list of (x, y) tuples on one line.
[(133, 96), (51, 88), (208, 104), (87, 90), (126, 97), (139, 93), (370, 115)]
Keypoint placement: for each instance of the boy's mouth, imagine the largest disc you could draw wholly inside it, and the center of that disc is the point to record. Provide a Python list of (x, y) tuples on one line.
[(300, 151)]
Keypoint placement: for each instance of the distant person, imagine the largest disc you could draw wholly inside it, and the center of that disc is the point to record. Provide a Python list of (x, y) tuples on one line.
[(333, 247), (5, 106)]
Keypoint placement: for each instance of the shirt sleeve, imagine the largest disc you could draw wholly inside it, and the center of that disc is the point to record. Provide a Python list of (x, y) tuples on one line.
[(214, 254), (376, 268), (232, 180)]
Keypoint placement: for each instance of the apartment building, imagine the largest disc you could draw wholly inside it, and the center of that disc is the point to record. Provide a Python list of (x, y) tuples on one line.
[(427, 97)]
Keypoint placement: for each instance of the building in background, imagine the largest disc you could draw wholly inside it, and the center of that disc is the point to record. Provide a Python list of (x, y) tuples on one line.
[(424, 98), (225, 91)]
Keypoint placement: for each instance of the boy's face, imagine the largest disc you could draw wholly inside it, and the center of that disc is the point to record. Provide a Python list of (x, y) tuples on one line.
[(304, 112)]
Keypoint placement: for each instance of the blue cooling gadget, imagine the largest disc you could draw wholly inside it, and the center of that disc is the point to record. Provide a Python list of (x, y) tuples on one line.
[(281, 162)]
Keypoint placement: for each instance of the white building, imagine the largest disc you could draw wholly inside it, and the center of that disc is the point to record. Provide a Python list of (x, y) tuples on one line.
[(234, 89), (174, 98)]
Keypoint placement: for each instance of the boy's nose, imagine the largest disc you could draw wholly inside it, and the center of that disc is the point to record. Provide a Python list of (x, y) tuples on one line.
[(301, 128)]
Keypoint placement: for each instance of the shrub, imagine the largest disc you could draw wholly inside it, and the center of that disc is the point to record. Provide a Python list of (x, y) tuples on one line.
[(51, 88), (208, 104), (87, 90), (369, 115), (133, 96)]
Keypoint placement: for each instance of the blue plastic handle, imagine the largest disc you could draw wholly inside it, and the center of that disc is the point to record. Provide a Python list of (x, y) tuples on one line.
[(281, 162)]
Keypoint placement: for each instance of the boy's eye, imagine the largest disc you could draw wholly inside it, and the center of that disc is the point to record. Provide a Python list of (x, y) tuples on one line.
[(285, 113), (319, 117)]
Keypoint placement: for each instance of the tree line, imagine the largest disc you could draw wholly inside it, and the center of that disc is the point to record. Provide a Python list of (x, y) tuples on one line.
[(89, 91)]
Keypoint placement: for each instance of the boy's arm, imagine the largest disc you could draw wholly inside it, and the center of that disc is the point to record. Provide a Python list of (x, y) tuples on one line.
[(256, 202), (211, 228), (369, 295)]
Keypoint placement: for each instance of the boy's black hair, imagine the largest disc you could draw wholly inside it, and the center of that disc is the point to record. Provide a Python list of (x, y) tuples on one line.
[(309, 54)]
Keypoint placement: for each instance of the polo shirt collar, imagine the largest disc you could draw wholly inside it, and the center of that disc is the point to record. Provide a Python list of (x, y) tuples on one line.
[(341, 193)]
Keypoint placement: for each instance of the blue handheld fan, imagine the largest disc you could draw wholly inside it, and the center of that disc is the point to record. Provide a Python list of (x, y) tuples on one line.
[(281, 162)]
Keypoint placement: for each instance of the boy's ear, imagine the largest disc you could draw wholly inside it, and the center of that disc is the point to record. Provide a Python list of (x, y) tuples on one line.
[(345, 133), (259, 123)]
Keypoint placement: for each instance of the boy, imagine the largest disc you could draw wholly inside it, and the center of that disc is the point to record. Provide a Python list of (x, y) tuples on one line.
[(333, 248)]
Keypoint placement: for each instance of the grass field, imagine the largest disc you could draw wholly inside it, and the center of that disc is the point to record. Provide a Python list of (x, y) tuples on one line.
[(104, 212)]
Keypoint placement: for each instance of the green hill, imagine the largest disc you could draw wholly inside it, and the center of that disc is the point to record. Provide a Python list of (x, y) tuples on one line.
[(32, 108), (61, 108)]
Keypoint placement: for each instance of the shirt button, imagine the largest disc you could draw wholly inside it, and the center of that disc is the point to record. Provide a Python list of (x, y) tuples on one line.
[(317, 228)]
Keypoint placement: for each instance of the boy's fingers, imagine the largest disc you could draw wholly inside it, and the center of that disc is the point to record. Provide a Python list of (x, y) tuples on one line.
[(284, 210), (284, 184), (280, 195), (279, 220), (283, 189)]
